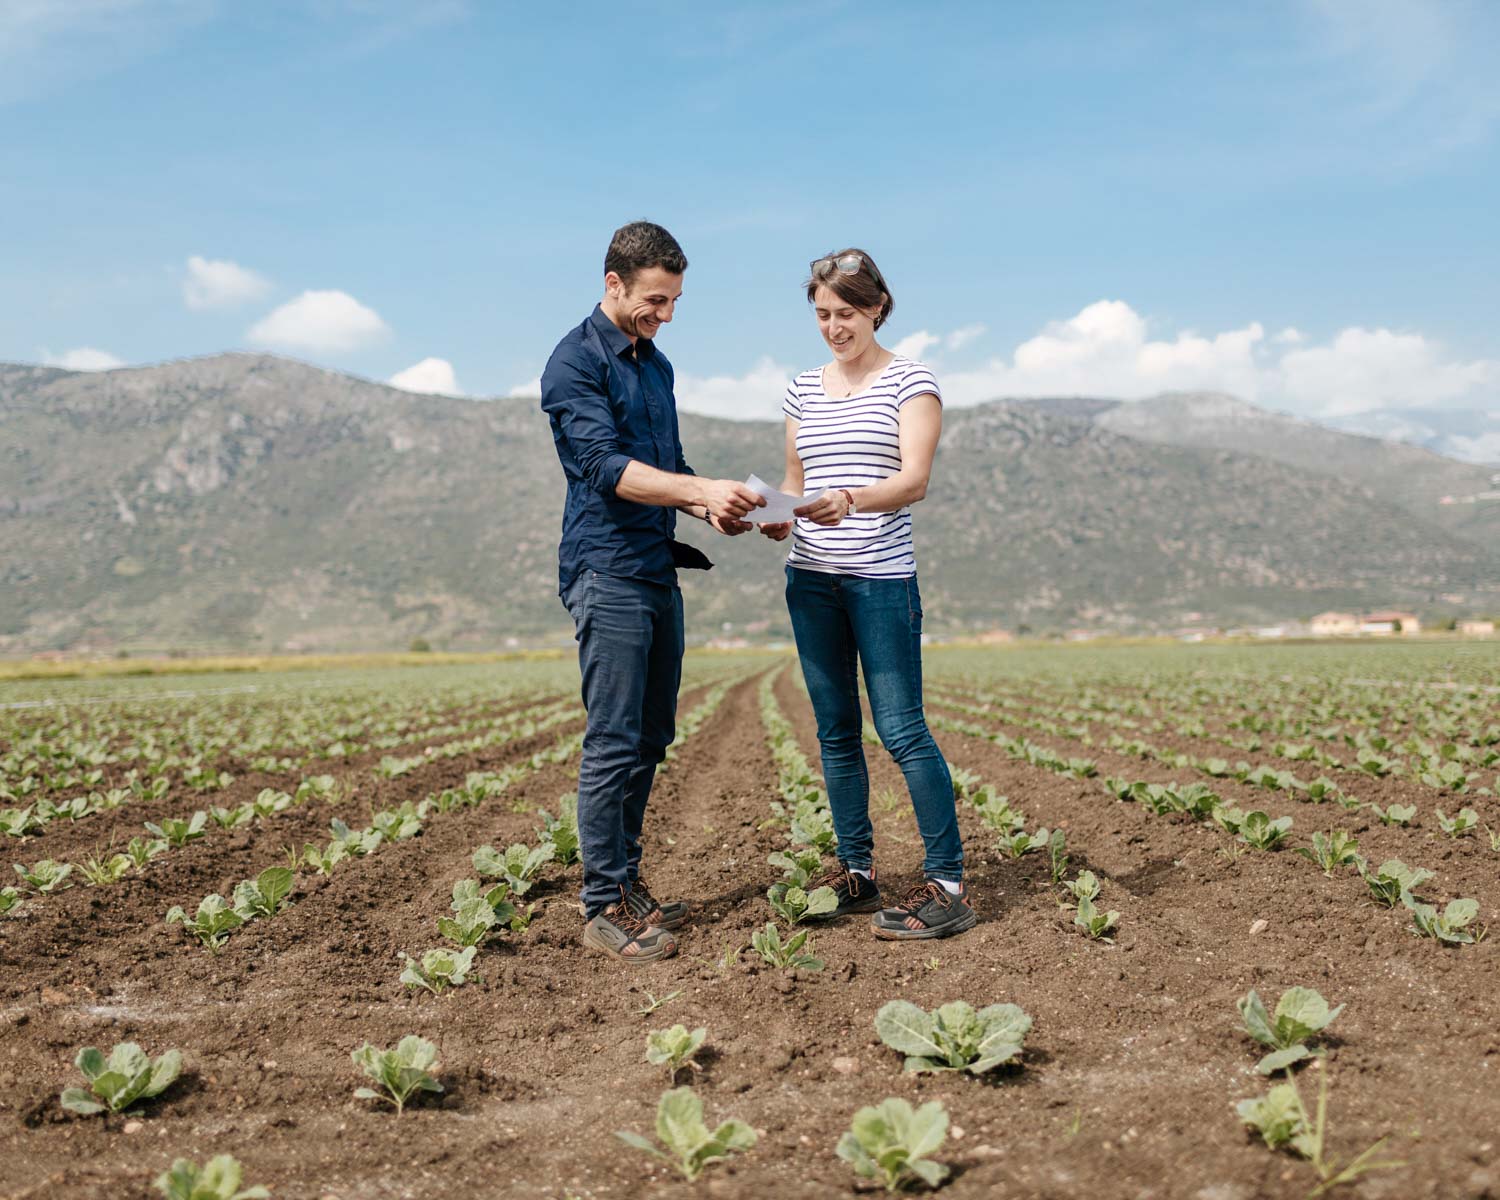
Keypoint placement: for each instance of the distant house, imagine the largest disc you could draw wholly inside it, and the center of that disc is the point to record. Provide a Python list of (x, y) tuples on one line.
[(1476, 628), (1383, 624), (1334, 624)]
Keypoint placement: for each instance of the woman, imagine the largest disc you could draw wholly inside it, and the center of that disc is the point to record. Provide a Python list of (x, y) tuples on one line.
[(864, 428)]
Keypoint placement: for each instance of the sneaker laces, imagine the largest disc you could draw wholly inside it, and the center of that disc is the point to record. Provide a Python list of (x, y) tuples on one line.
[(929, 889), (630, 923), (833, 877)]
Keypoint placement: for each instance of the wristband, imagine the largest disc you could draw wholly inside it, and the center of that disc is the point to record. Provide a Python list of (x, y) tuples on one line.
[(849, 499)]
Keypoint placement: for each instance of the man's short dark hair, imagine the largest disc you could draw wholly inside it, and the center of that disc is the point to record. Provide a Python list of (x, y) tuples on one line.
[(641, 245)]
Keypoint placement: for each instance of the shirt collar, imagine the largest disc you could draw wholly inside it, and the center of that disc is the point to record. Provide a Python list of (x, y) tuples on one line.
[(615, 339)]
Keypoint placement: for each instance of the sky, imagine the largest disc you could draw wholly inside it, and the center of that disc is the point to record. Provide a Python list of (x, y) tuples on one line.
[(1292, 201)]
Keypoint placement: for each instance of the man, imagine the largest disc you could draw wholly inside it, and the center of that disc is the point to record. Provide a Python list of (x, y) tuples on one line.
[(607, 391)]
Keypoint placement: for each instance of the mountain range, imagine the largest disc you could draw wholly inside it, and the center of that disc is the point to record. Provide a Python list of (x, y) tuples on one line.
[(252, 502)]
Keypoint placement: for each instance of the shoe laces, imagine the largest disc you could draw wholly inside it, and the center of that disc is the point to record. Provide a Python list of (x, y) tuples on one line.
[(628, 922), (929, 889), (834, 877)]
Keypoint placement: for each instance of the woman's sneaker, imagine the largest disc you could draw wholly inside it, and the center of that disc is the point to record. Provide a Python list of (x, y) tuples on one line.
[(668, 915), (927, 911), (621, 934), (857, 893)]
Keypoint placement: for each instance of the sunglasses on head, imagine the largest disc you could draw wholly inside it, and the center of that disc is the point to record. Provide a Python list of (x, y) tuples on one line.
[(844, 264)]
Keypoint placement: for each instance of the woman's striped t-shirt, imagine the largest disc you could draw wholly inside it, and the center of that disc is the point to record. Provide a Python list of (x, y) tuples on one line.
[(850, 443)]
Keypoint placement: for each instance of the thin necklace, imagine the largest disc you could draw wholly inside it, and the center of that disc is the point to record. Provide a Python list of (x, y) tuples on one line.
[(849, 388)]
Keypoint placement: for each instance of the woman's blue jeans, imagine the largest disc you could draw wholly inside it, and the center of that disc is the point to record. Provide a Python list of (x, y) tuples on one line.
[(843, 623)]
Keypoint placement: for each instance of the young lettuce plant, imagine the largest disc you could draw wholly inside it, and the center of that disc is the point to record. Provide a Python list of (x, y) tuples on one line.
[(438, 969), (891, 1142), (45, 876), (117, 1082), (217, 1179), (792, 904), (229, 818), (397, 824), (1229, 819), (953, 1037), (674, 1048), (1392, 880), (784, 955), (518, 866), (1300, 1013), (178, 832), (355, 843), (1334, 850), (473, 916), (142, 850), (1458, 826), (1451, 925), (97, 871), (690, 1144), (1093, 922), (1018, 842), (497, 897), (1084, 887), (798, 865), (1057, 855), (561, 832), (262, 896), (214, 921), (1263, 833), (1396, 814), (10, 898), (400, 1073)]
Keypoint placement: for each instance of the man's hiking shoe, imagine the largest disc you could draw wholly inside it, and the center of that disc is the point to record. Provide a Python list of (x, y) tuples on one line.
[(927, 911), (621, 934), (856, 893), (643, 904)]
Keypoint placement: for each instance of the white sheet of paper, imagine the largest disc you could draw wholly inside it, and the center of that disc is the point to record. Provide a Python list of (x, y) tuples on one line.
[(779, 505)]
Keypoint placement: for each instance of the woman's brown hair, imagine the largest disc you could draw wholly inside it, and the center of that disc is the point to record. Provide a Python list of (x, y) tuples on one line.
[(865, 289)]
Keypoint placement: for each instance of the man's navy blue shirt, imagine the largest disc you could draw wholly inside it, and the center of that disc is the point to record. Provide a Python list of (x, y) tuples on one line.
[(610, 401)]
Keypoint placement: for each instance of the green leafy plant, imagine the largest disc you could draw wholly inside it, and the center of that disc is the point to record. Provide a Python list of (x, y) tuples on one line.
[(316, 787), (400, 1073), (1260, 831), (1228, 818), (1396, 814), (785, 955), (1334, 849), (228, 818), (1300, 1013), (178, 832), (1093, 922), (473, 915), (355, 843), (264, 895), (674, 1048), (1393, 879), (97, 871), (18, 822), (518, 866), (214, 921), (1084, 887), (325, 860), (689, 1144), (653, 1003), (792, 904), (438, 969), (10, 898), (142, 850), (397, 824), (1461, 825), (217, 1179), (953, 1037), (496, 896), (268, 802), (561, 831), (117, 1082), (46, 875), (1057, 855), (892, 1143), (1451, 925), (1017, 842), (798, 865)]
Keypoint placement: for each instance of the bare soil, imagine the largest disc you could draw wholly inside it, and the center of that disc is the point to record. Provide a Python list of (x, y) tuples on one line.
[(1126, 1090)]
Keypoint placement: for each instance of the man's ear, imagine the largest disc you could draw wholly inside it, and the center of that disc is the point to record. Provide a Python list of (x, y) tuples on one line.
[(613, 284)]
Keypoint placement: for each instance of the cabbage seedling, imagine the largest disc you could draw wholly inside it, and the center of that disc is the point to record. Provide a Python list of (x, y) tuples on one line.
[(1281, 1119), (1396, 814), (1093, 922), (1228, 818), (9, 899), (323, 861), (561, 832), (355, 843), (18, 822), (953, 1037), (217, 1179), (785, 955), (497, 897), (690, 1144), (812, 825), (1085, 887), (397, 824), (1300, 1013), (891, 1142), (1458, 826), (1057, 855), (1260, 831), (798, 865), (117, 1082), (97, 871), (518, 866), (1334, 850), (674, 1048), (1451, 925), (472, 919), (400, 1073), (213, 922), (262, 896), (1393, 879), (45, 876), (178, 832), (792, 904), (228, 818), (438, 969), (268, 802), (1017, 843), (142, 850)]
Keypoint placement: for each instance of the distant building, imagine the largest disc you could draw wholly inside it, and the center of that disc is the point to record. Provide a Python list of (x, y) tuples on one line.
[(1476, 628), (1383, 624), (1335, 624)]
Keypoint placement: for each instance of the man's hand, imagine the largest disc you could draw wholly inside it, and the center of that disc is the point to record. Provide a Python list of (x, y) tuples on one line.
[(776, 531), (728, 500), (730, 528)]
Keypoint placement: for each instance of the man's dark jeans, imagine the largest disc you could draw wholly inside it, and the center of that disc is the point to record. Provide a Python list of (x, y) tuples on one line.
[(630, 655), (842, 623)]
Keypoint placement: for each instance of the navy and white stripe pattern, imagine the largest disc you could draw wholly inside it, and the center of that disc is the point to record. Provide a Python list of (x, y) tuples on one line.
[(851, 443)]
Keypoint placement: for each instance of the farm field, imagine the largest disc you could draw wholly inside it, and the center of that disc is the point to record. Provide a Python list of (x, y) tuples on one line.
[(1168, 771)]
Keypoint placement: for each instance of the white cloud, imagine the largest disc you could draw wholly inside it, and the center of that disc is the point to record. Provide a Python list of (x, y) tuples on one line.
[(527, 391), (430, 377), (84, 358), (914, 345), (1376, 368), (753, 396), (219, 283), (1290, 337), (319, 321), (1483, 448), (960, 338)]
